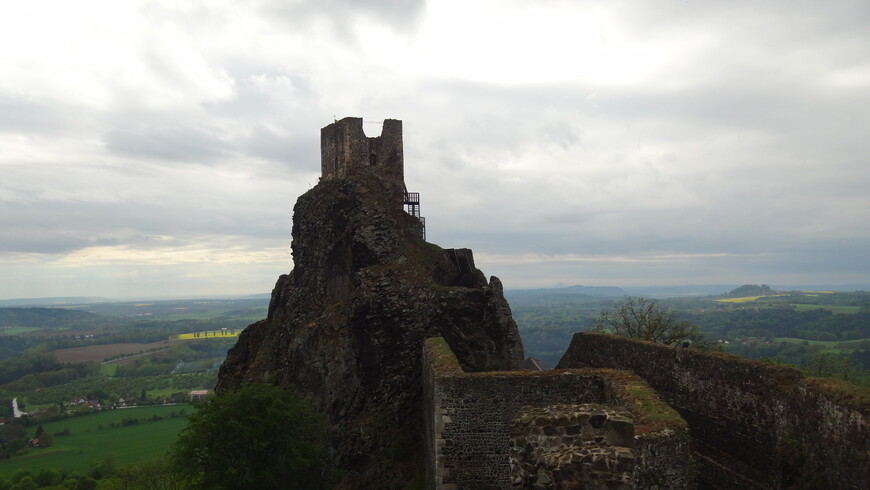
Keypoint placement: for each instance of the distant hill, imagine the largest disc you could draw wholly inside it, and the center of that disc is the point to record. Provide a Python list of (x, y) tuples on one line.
[(45, 317), (570, 293), (750, 290), (58, 301), (584, 290), (684, 291)]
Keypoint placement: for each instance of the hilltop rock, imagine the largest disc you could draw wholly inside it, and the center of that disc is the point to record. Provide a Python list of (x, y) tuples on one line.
[(346, 325), (750, 290)]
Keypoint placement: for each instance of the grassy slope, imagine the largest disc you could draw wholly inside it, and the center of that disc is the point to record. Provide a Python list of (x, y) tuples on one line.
[(87, 444)]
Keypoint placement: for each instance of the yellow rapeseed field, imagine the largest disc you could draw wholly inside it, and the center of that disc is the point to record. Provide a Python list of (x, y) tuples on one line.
[(746, 299), (210, 334)]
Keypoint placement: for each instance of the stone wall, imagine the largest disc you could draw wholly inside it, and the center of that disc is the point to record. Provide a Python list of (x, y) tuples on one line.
[(346, 150), (469, 419), (586, 445), (754, 425)]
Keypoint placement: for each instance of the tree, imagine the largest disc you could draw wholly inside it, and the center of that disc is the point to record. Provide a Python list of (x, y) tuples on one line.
[(644, 319), (104, 468), (25, 483), (259, 436), (155, 474), (47, 478)]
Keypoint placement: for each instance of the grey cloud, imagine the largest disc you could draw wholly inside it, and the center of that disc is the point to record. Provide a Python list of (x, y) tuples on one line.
[(252, 100), (299, 152), (39, 242), (173, 143), (400, 15), (27, 116), (743, 146), (63, 241), (60, 226)]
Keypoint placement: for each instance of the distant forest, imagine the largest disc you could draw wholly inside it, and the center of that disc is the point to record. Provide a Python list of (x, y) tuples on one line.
[(804, 329)]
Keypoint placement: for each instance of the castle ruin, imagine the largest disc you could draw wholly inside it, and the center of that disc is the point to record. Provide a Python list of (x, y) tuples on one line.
[(345, 150), (415, 359)]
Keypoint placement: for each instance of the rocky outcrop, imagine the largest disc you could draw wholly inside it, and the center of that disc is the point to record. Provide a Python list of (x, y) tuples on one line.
[(346, 325)]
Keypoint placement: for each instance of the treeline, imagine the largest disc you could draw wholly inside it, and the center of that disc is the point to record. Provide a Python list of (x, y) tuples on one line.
[(37, 368), (52, 318), (547, 324), (36, 359), (145, 331), (61, 479), (135, 331), (107, 390), (813, 359), (62, 374), (47, 384), (183, 357), (782, 321)]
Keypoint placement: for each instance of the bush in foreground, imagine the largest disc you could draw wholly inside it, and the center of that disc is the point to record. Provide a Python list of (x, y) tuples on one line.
[(259, 436)]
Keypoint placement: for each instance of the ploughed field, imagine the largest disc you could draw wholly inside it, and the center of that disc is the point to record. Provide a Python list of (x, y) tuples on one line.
[(106, 351)]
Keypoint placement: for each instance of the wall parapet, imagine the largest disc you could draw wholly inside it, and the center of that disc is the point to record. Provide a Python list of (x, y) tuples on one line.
[(754, 425), (469, 418)]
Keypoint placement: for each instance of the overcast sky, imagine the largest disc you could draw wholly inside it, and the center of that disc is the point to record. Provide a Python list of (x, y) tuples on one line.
[(156, 148)]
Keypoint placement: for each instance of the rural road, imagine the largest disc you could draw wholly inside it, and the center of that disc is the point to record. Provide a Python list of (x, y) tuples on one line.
[(15, 411)]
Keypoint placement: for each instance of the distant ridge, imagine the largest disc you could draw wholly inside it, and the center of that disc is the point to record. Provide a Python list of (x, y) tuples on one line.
[(58, 301), (599, 291)]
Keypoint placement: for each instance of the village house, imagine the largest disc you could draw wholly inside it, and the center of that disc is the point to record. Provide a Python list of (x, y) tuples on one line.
[(198, 395)]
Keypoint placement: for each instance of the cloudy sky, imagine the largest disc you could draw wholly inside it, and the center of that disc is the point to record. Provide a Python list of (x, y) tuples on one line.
[(156, 148)]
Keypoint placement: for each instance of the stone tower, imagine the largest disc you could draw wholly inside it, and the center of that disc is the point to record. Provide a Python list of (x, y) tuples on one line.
[(346, 150)]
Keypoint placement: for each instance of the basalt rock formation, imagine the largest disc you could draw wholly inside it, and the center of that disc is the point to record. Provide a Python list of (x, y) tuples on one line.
[(346, 326)]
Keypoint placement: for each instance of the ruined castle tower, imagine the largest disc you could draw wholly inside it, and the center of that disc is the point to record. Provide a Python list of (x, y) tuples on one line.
[(346, 150), (346, 325)]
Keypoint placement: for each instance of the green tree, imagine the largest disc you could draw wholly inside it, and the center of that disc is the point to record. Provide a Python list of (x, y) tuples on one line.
[(104, 468), (155, 474), (644, 319), (20, 474), (25, 483), (259, 436), (48, 478)]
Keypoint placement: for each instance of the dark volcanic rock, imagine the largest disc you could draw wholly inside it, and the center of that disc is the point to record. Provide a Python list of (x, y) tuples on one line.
[(346, 326)]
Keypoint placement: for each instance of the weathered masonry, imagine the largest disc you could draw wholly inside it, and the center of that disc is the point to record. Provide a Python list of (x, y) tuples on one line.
[(346, 150), (515, 429), (754, 425)]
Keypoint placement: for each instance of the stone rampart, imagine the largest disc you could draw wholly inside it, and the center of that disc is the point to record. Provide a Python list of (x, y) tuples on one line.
[(484, 429), (754, 425)]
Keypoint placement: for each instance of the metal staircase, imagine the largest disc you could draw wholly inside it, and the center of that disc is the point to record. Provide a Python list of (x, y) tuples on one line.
[(412, 202)]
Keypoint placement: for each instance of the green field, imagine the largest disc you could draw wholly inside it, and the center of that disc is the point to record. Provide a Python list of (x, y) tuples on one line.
[(108, 369), (18, 330), (833, 308), (87, 443)]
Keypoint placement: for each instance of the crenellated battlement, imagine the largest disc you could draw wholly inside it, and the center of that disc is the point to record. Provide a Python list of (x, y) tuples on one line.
[(346, 150)]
